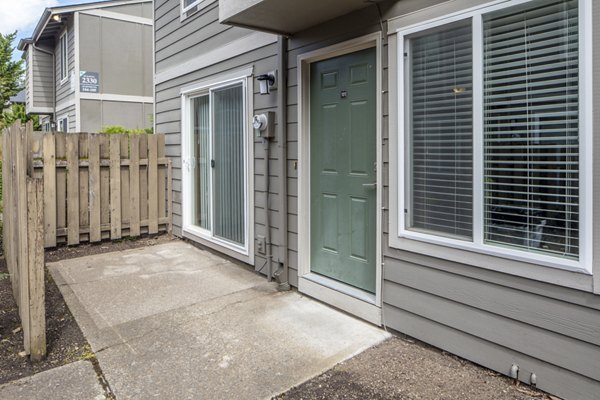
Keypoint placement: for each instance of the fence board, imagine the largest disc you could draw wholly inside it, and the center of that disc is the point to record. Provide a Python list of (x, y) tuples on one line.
[(104, 181), (49, 160), (134, 189), (152, 184), (72, 189), (61, 181), (143, 177), (83, 181), (95, 234), (100, 186), (115, 187), (35, 228), (125, 204), (21, 212)]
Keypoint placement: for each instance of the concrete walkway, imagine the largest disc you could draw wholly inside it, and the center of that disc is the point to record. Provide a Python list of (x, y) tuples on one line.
[(175, 322), (72, 381)]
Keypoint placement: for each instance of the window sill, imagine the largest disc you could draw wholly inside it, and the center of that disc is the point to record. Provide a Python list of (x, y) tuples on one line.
[(483, 258)]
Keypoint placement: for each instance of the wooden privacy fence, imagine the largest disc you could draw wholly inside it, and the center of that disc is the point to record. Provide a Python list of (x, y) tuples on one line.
[(23, 232), (101, 186)]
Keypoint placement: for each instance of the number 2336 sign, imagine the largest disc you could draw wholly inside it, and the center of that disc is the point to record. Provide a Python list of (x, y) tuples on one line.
[(89, 82)]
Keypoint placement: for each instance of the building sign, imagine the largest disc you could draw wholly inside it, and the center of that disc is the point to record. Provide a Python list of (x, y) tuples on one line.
[(89, 82)]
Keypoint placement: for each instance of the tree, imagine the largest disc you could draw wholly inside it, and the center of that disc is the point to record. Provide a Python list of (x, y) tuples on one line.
[(15, 112), (11, 72)]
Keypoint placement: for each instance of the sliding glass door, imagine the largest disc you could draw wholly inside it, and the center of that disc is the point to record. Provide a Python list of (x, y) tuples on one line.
[(217, 164)]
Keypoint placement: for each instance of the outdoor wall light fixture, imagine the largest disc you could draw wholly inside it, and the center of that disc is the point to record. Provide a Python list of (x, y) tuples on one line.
[(266, 82), (56, 17)]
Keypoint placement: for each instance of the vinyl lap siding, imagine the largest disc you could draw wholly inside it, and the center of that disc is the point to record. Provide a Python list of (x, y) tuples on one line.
[(43, 78), (498, 320), (65, 91), (196, 35)]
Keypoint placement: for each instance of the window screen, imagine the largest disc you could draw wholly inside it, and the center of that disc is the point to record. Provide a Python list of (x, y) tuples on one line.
[(531, 141), (441, 127)]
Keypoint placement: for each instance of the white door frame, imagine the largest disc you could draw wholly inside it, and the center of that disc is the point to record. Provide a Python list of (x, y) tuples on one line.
[(189, 230), (350, 299)]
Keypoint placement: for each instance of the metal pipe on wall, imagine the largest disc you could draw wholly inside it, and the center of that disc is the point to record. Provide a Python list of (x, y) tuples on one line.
[(282, 273)]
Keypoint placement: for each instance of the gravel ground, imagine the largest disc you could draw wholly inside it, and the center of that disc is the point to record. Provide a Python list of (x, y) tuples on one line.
[(403, 369)]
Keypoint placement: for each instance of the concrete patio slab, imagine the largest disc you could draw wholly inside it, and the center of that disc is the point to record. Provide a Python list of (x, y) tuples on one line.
[(174, 321), (77, 380)]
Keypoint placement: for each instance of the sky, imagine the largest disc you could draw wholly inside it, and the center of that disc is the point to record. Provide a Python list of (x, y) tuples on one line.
[(23, 15)]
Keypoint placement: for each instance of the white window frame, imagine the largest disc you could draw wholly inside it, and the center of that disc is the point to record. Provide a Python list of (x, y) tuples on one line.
[(400, 236), (189, 93), (59, 121), (200, 4), (64, 56)]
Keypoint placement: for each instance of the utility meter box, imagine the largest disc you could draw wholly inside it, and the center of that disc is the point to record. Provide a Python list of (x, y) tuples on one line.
[(264, 125)]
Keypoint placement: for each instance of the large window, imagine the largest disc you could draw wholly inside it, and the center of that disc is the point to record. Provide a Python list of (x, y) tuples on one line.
[(64, 56), (492, 135)]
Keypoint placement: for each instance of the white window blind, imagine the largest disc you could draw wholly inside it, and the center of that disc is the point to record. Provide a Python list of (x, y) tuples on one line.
[(441, 137), (228, 154), (531, 129)]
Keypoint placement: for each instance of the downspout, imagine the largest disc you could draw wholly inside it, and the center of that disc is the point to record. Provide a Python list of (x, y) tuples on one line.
[(282, 274), (267, 217)]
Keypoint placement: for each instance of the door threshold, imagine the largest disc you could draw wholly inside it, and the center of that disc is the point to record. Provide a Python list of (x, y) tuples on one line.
[(354, 301)]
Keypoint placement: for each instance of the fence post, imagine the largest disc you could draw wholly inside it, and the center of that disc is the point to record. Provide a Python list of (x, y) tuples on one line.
[(22, 256), (35, 228)]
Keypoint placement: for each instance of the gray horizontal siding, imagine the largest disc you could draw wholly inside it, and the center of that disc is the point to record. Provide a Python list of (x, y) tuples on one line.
[(43, 79), (65, 90), (178, 42)]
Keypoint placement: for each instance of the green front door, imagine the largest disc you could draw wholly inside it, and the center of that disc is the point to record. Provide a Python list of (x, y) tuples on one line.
[(343, 168)]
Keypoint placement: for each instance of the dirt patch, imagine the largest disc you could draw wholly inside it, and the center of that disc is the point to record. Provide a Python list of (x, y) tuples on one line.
[(87, 249), (65, 340), (401, 368)]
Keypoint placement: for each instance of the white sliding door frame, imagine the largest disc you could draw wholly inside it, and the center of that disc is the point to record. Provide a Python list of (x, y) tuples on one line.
[(207, 236)]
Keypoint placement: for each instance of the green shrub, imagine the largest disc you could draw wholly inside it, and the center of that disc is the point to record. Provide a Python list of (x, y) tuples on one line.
[(122, 129)]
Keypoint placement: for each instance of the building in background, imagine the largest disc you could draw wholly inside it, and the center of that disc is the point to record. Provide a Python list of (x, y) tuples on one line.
[(90, 65)]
